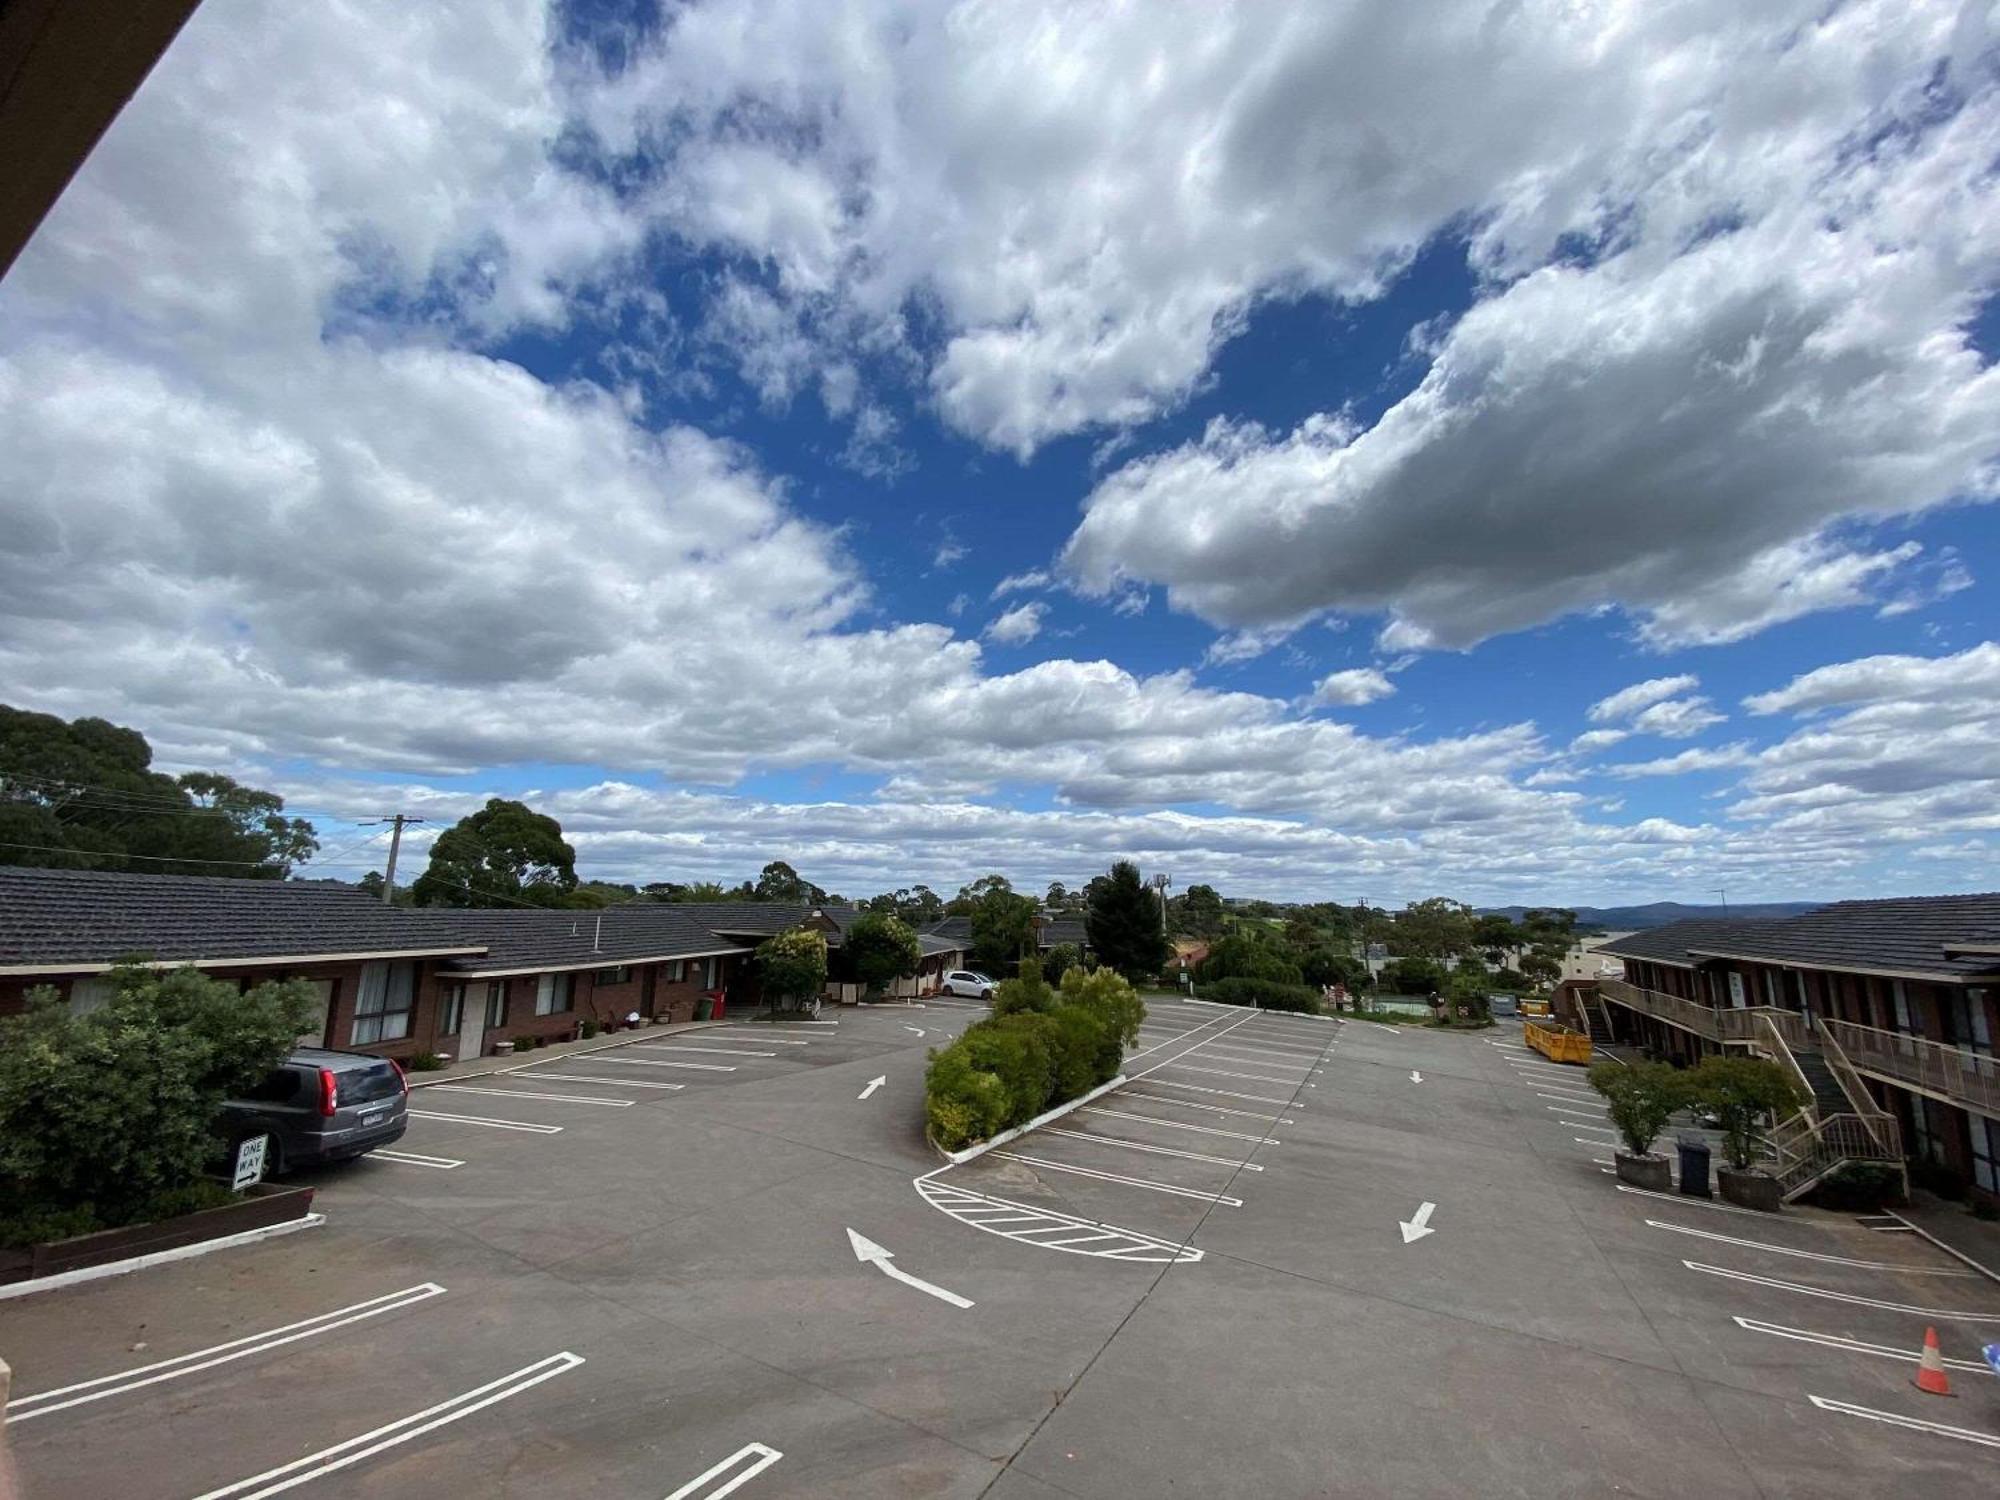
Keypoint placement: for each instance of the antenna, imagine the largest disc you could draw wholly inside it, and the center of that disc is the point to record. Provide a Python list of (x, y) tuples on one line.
[(1723, 892)]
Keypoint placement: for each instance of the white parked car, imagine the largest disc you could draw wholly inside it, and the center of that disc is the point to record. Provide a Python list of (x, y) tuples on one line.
[(967, 982)]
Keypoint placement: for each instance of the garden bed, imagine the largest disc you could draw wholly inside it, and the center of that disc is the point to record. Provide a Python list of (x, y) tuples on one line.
[(260, 1207)]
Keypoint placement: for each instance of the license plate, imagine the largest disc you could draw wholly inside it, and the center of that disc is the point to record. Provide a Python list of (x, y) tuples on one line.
[(375, 1119)]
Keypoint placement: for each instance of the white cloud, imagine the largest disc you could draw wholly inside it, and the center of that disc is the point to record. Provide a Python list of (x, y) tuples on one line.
[(959, 604), (1965, 677), (1356, 685), (1019, 625), (1697, 759), (1592, 740), (1014, 583), (949, 553), (1626, 702), (1676, 719)]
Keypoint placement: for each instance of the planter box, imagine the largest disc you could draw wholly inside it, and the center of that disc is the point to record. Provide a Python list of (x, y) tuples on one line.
[(1652, 1171), (262, 1206), (1750, 1189)]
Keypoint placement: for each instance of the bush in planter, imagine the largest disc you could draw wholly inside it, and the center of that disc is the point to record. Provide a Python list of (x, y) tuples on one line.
[(107, 1112), (1266, 994), (1641, 1100), (1738, 1093)]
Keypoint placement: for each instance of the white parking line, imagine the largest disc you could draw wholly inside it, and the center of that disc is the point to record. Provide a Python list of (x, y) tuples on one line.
[(22, 1408), (1818, 1291), (1139, 1182), (415, 1159), (426, 1114), (1915, 1424), (1225, 1073), (1195, 1088), (609, 1083), (1112, 1140), (466, 1088), (649, 1062), (1258, 1059), (1858, 1346), (1217, 1109), (1832, 1260), (1234, 1135), (1562, 1092), (1691, 1201), (764, 1455), (723, 1051), (1570, 1109)]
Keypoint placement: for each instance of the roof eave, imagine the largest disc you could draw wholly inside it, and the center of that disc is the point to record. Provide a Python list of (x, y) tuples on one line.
[(253, 961)]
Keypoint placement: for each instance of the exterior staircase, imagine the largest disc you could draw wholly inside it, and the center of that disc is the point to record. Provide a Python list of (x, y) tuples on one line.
[(1840, 1123)]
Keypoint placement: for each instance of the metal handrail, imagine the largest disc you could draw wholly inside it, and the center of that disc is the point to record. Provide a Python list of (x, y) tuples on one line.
[(1732, 1027), (1784, 1057), (1881, 1124), (1956, 1075)]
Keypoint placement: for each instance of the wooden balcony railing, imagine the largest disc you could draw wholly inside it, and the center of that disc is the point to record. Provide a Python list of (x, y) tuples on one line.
[(1729, 1028), (1956, 1075)]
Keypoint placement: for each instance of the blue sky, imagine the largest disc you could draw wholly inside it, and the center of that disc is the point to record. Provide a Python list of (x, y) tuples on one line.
[(642, 414)]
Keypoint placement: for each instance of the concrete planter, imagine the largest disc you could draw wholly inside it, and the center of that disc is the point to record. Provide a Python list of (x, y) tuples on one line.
[(1652, 1171), (1750, 1189), (261, 1206)]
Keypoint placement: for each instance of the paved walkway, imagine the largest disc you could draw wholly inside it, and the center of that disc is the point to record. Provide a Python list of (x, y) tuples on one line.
[(1978, 1240), (482, 1066)]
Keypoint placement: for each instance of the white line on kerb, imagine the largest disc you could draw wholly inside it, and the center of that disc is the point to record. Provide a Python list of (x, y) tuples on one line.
[(1832, 1260), (464, 1088), (1157, 1187), (765, 1456), (368, 1444), (1915, 1424), (21, 1408), (610, 1083), (1112, 1140), (1857, 1346), (1816, 1291), (426, 1114), (415, 1159)]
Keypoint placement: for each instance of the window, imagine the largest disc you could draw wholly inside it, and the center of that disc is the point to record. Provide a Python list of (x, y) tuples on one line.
[(711, 972), (552, 994), (322, 1007), (496, 1004), (602, 977), (677, 971), (87, 995), (1902, 998), (1985, 1152), (1968, 1021), (383, 1002), (453, 1014)]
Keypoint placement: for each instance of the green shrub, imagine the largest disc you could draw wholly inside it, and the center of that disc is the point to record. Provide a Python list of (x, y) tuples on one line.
[(962, 1103), (1248, 954), (1740, 1092), (100, 1114), (1108, 994), (1412, 976), (1640, 1099), (1060, 960), (590, 1028), (425, 1062), (1025, 992), (1262, 993)]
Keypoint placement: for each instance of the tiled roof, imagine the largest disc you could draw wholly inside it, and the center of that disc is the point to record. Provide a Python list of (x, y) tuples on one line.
[(521, 940), (1053, 930), (1901, 935), (59, 919), (1672, 944)]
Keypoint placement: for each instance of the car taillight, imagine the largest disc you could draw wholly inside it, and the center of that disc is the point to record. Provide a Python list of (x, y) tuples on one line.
[(329, 1092), (401, 1077)]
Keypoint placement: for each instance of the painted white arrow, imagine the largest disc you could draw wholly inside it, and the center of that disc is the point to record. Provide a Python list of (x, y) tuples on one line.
[(1415, 1076), (917, 1029), (873, 1084), (866, 1250), (1414, 1228)]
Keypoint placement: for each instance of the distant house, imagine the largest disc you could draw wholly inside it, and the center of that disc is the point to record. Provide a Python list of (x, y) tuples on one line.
[(1051, 931), (1897, 999), (397, 980)]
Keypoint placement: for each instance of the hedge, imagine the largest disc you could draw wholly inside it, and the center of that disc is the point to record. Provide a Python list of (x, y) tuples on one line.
[(1263, 993), (1004, 1071)]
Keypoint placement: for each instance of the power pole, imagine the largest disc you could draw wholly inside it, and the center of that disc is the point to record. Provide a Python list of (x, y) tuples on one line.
[(1160, 884), (396, 822)]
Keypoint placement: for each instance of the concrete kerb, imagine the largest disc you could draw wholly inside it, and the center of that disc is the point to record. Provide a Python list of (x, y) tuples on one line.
[(971, 1153), (489, 1066), (1987, 1271), (157, 1258)]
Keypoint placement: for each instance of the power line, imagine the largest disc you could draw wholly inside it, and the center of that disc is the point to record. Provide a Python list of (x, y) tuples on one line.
[(172, 859)]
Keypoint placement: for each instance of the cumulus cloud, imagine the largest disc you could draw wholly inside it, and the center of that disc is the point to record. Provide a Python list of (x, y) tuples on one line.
[(1015, 583), (1676, 719), (1626, 702), (1355, 686), (1019, 625)]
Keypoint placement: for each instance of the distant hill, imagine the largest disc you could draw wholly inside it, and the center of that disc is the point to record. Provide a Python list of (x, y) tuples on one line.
[(1659, 913)]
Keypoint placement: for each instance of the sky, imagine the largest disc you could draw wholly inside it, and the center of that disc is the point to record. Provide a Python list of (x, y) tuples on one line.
[(1527, 452)]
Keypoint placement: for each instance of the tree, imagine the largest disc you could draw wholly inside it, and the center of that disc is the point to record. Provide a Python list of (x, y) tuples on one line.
[(82, 795), (1494, 933), (1324, 966), (1640, 1098), (103, 1114), (882, 949), (1201, 912), (1003, 926), (925, 904), (1026, 991), (1412, 976), (1540, 968), (1740, 1092), (1124, 925), (506, 854), (1436, 929), (778, 881), (1248, 953), (1058, 897), (791, 965), (1059, 960)]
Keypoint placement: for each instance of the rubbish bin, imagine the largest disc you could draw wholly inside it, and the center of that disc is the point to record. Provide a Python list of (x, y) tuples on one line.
[(1694, 1166)]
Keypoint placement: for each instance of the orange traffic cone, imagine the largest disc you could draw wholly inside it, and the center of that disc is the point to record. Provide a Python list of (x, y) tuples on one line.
[(1930, 1368)]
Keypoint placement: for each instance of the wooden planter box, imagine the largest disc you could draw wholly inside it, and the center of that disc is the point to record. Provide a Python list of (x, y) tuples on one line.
[(262, 1206)]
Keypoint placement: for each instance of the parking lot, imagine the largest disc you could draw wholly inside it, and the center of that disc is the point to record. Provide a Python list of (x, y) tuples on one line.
[(724, 1261)]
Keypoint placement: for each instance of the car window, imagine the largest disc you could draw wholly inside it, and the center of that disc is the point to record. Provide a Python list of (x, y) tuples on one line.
[(365, 1085), (280, 1086)]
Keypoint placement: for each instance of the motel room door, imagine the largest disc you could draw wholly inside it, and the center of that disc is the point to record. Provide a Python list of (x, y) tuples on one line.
[(472, 1020)]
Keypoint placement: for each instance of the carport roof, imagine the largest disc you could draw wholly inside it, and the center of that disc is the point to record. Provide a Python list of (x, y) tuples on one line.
[(83, 921)]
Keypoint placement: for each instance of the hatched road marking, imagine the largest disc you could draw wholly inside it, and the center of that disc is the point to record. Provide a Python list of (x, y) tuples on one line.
[(1081, 1236)]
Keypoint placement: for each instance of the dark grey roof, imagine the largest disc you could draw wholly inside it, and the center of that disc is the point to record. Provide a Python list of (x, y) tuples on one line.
[(1063, 930), (1052, 931), (527, 940), (67, 919), (931, 945), (1901, 935), (751, 918), (1672, 944)]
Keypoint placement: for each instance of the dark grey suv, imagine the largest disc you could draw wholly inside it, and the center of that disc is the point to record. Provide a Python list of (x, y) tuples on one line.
[(320, 1106)]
